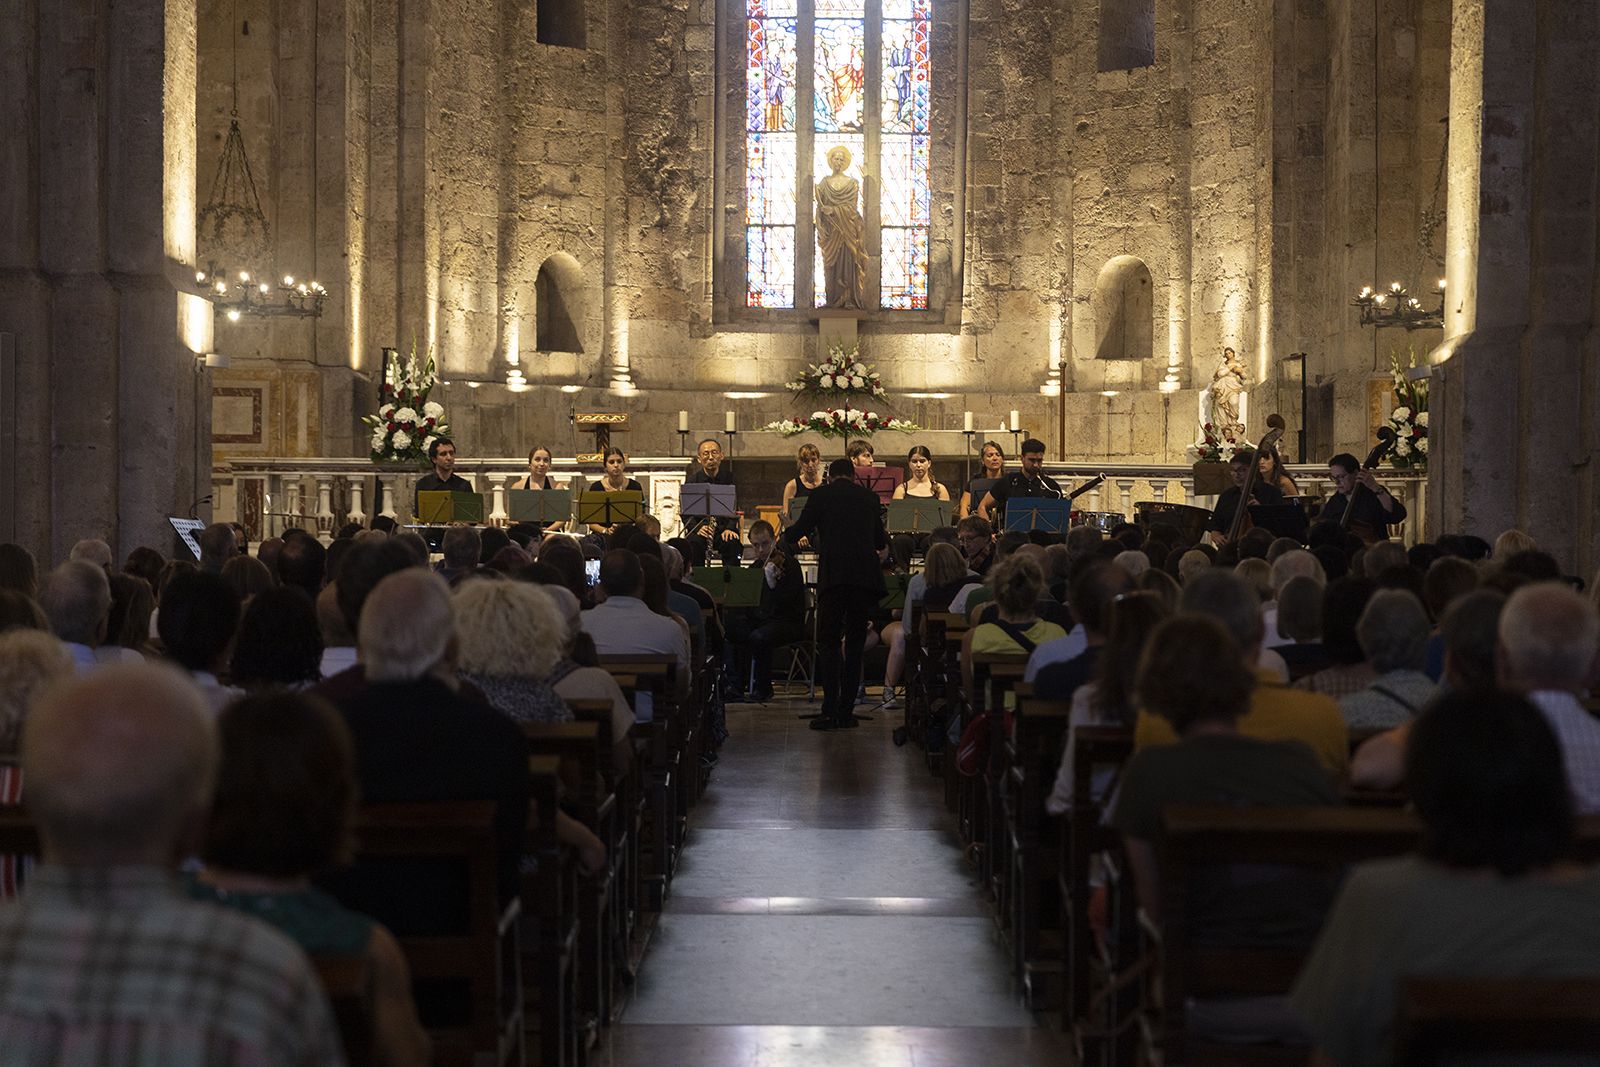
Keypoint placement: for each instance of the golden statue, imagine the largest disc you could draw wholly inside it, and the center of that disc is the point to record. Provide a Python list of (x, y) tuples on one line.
[(839, 234)]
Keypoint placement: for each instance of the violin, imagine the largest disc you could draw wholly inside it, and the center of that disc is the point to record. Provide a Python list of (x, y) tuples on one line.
[(1241, 513), (1368, 533)]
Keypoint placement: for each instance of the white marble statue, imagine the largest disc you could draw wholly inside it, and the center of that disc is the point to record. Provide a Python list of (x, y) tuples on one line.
[(1222, 403)]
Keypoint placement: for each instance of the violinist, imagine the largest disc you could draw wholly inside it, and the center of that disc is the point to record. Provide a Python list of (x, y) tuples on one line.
[(1260, 493), (1373, 509), (753, 634)]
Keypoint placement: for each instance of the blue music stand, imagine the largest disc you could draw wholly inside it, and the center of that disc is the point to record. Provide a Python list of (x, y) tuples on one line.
[(1032, 513)]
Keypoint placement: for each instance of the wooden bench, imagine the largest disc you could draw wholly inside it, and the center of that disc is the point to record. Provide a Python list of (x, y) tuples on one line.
[(1038, 737), (994, 675), (661, 749), (1440, 1018)]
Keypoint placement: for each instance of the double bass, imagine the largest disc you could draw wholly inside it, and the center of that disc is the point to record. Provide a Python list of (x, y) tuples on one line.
[(1365, 530), (1241, 514)]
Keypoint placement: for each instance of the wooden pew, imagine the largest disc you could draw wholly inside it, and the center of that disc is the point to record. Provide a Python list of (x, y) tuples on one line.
[(483, 956), (1440, 1018), (994, 675), (662, 750), (605, 813), (1037, 741), (348, 982)]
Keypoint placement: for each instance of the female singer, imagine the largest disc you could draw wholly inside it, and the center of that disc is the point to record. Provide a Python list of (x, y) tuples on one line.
[(615, 480), (993, 458), (1269, 471), (920, 485), (538, 477), (919, 477), (808, 476)]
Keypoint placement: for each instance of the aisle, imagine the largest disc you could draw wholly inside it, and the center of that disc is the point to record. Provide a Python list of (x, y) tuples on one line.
[(822, 915)]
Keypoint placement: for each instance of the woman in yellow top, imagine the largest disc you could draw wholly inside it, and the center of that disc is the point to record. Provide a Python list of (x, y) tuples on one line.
[(1018, 583)]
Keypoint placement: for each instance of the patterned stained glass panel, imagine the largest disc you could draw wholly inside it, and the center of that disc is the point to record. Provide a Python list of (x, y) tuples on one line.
[(761, 9), (769, 266), (839, 76), (770, 178), (856, 143), (905, 268), (903, 162), (770, 74), (838, 9), (906, 77), (907, 9)]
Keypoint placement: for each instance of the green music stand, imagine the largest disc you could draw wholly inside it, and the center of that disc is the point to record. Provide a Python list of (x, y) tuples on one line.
[(732, 587), (543, 506), (597, 508), (912, 515), (895, 598), (441, 507)]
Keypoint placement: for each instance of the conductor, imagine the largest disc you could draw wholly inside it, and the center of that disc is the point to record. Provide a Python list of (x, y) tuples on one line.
[(844, 521)]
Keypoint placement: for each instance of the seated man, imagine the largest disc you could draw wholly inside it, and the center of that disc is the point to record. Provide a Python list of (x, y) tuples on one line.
[(753, 634), (1393, 631), (76, 598), (1276, 712), (624, 625), (1487, 896), (1548, 638), (105, 961), (461, 548)]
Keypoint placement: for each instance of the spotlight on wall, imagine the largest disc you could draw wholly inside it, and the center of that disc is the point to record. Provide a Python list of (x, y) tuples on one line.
[(572, 388), (930, 396), (745, 396)]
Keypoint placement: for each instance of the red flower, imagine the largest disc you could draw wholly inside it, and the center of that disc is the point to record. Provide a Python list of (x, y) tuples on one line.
[(393, 427)]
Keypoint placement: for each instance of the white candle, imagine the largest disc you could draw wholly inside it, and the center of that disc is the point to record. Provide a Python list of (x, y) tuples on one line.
[(683, 422), (1016, 421), (966, 421), (728, 421)]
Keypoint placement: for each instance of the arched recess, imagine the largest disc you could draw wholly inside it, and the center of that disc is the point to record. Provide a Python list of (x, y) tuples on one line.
[(1127, 34), (558, 305), (1123, 307)]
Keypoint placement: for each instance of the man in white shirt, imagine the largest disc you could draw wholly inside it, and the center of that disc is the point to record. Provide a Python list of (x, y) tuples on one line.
[(1548, 639), (76, 598), (623, 625)]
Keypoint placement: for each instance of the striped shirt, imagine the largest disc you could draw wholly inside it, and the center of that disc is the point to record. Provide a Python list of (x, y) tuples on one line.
[(113, 965), (1578, 733)]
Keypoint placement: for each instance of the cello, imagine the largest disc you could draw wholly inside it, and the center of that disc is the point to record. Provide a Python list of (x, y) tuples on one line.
[(1365, 530), (1241, 514)]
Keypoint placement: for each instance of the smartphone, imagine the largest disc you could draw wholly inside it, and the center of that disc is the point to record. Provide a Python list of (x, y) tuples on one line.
[(591, 570)]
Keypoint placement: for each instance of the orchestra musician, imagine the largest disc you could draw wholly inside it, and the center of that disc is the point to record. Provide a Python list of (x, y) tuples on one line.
[(1270, 471), (1373, 509), (1030, 481), (920, 484), (614, 480), (807, 479), (1261, 492), (721, 534), (993, 467), (538, 477), (443, 477)]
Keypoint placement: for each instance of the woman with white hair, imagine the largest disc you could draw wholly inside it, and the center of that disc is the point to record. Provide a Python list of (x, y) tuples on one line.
[(511, 634), (575, 681)]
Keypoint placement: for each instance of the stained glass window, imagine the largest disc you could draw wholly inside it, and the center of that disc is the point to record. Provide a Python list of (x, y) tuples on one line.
[(881, 45)]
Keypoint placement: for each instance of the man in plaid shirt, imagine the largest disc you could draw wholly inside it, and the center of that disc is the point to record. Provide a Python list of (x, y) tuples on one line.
[(102, 959)]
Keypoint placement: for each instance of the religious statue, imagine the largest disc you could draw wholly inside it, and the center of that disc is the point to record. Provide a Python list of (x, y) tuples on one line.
[(839, 234), (1227, 389)]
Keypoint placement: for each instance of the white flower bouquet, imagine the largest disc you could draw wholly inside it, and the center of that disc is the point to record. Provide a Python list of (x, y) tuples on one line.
[(842, 422), (841, 374), (1409, 417), (407, 422)]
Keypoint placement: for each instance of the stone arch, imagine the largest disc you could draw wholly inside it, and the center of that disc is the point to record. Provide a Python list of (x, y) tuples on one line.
[(1124, 306), (1127, 34), (558, 305)]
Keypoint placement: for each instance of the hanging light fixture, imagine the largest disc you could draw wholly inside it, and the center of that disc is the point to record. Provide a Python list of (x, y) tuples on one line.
[(1395, 306), (232, 223)]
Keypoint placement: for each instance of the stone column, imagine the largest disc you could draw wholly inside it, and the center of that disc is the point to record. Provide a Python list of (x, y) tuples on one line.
[(1513, 421), (97, 207)]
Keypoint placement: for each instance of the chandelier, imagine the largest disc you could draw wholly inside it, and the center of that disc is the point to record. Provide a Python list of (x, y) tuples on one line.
[(1396, 306), (232, 223)]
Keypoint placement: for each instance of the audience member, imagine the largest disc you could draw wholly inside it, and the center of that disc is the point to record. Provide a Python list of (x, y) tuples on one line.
[(128, 621), (944, 572), (1548, 639), (280, 642), (1162, 584), (334, 560), (366, 564), (76, 598), (17, 571), (1487, 895), (413, 543), (511, 636), (93, 550), (1017, 581), (1298, 620), (1276, 712), (1342, 603), (268, 551), (338, 643), (1447, 579), (119, 768), (565, 556), (282, 811), (1133, 561), (625, 625), (975, 538), (461, 548), (30, 662), (1509, 543), (1055, 670), (144, 563), (1393, 631), (1290, 564), (247, 576), (1257, 574), (199, 615), (303, 563), (1192, 564), (685, 607), (1533, 566), (218, 544), (18, 612), (491, 539)]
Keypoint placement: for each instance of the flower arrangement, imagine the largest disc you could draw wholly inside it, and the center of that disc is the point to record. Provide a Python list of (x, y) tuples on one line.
[(407, 422), (1213, 446), (1409, 418), (841, 374), (842, 422)]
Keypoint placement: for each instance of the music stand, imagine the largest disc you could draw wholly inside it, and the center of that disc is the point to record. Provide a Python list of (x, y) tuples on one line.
[(707, 500), (1283, 520), (608, 508), (913, 515), (186, 529), (732, 587), (881, 480), (543, 506), (439, 507), (895, 598), (1034, 513)]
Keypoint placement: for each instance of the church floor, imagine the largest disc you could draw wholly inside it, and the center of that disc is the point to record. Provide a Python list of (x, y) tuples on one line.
[(822, 914)]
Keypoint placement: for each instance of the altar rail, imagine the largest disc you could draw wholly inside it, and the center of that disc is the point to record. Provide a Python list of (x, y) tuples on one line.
[(269, 495)]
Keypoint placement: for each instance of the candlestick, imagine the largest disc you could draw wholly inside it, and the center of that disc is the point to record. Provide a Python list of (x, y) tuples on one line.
[(730, 424), (683, 422), (966, 422), (683, 442)]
